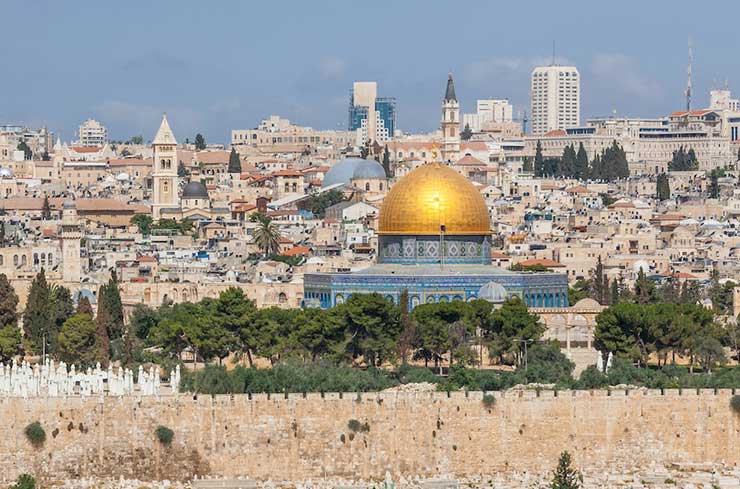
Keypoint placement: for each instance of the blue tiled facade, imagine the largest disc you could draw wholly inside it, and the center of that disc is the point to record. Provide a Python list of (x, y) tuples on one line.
[(454, 282)]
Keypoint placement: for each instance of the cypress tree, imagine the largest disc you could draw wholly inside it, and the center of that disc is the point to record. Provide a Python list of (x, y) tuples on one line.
[(581, 166), (387, 162), (84, 306), (662, 187), (539, 163), (38, 318), (46, 209), (235, 164), (566, 476), (8, 303), (110, 308)]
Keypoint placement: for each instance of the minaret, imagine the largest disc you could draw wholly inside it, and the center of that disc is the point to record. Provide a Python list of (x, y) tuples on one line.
[(450, 124), (164, 171), (71, 238), (57, 161)]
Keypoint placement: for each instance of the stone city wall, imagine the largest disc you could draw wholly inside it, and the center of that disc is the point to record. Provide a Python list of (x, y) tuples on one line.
[(410, 434)]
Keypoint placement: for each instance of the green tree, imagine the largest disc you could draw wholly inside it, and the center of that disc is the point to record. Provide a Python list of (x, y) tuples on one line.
[(10, 342), (408, 327), (267, 236), (683, 160), (143, 222), (372, 328), (527, 166), (581, 165), (435, 325), (8, 303), (38, 318), (235, 163), (539, 163), (27, 153), (466, 133), (662, 187), (599, 283), (137, 140), (46, 209), (567, 162), (644, 288), (318, 202), (714, 176), (62, 305), (182, 171), (143, 318), (387, 162), (200, 142), (514, 327), (77, 340), (24, 481), (84, 306), (566, 476)]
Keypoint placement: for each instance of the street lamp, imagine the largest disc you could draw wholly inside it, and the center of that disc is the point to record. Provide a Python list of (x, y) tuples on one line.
[(526, 359)]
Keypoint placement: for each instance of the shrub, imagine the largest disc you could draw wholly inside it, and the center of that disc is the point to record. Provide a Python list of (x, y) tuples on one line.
[(489, 400), (35, 434), (164, 435), (24, 481), (735, 403), (356, 426)]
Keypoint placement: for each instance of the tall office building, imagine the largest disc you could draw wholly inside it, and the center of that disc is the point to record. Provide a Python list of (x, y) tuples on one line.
[(92, 133), (488, 111), (373, 118), (556, 98)]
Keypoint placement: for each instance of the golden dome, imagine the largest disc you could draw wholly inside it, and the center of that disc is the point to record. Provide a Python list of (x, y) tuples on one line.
[(431, 196)]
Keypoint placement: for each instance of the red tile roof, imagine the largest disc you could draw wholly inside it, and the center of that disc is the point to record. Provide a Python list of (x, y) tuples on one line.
[(541, 261), (555, 133), (85, 149), (297, 250)]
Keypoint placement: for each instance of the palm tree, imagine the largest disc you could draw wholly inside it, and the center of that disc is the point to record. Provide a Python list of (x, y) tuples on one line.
[(267, 236)]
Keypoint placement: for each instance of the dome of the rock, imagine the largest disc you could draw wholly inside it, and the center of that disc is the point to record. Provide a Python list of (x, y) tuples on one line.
[(432, 196)]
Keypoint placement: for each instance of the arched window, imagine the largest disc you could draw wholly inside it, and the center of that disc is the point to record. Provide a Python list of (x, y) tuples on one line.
[(380, 186), (282, 298), (43, 259), (35, 258), (24, 260), (15, 260), (367, 187), (163, 163)]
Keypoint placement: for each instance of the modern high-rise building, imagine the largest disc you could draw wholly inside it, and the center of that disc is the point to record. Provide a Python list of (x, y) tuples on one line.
[(488, 111), (92, 134), (556, 98), (373, 118)]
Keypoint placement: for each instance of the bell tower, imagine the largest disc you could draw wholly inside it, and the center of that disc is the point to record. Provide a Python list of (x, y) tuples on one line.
[(164, 172), (450, 124)]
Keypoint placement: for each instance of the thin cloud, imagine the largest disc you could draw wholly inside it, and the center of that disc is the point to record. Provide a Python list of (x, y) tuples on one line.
[(332, 68), (622, 73)]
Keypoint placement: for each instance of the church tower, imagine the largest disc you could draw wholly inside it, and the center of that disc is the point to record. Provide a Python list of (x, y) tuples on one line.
[(450, 124), (164, 172), (71, 239)]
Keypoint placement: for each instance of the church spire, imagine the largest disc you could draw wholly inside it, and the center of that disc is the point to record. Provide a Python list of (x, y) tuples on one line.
[(164, 134), (450, 92)]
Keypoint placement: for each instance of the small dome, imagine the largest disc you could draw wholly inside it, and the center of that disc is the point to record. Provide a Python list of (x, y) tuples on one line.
[(353, 168), (122, 177), (69, 204), (492, 292), (6, 173), (195, 190)]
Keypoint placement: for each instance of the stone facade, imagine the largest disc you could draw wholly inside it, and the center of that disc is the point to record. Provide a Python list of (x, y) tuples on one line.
[(410, 434)]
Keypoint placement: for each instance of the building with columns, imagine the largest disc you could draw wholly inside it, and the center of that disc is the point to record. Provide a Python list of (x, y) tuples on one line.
[(164, 171), (450, 124)]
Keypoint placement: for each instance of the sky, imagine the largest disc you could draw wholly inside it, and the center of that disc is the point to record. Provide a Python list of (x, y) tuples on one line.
[(218, 65)]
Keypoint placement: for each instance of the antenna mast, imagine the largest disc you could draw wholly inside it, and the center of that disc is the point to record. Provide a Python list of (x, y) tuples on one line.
[(688, 83)]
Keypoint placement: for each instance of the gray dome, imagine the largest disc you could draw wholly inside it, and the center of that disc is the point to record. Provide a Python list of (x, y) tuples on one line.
[(195, 190), (492, 292), (350, 168)]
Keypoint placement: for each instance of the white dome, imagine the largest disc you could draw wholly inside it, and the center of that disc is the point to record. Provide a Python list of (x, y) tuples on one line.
[(122, 177), (641, 264), (492, 292), (6, 173)]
